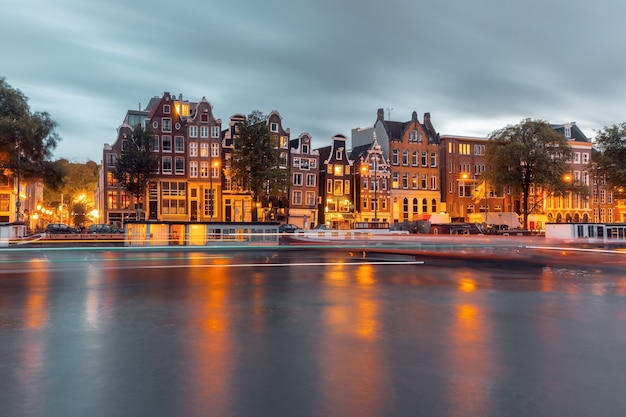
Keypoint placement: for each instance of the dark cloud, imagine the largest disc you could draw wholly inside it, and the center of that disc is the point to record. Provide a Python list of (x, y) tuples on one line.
[(326, 66)]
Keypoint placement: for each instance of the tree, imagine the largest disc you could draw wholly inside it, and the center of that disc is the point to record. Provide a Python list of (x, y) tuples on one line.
[(137, 163), (256, 159), (26, 139), (530, 152), (608, 162), (76, 192)]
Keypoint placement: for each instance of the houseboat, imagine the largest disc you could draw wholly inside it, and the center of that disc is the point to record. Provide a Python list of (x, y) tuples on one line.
[(587, 232), (150, 233), (361, 231)]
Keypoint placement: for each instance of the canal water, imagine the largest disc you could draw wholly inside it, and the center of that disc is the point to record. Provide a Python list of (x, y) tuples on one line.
[(305, 333)]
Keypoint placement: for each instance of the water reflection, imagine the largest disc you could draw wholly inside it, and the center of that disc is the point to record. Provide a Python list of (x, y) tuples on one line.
[(350, 354), (210, 347), (195, 334), (470, 351)]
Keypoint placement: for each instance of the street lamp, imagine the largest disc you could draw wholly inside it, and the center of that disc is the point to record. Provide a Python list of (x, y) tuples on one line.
[(18, 203), (375, 166), (486, 200)]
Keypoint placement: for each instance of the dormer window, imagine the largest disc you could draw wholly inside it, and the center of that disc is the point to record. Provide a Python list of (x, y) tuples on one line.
[(305, 149), (166, 109), (204, 117), (568, 131), (273, 127)]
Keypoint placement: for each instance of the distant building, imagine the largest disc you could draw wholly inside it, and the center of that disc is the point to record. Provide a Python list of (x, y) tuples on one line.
[(465, 189), (336, 185), (373, 182), (412, 149), (188, 146), (304, 163)]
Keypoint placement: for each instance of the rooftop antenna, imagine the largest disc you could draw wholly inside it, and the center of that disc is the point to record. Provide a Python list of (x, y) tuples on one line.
[(389, 109)]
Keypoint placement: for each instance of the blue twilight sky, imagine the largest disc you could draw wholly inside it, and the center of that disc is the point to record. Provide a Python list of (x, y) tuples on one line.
[(325, 65)]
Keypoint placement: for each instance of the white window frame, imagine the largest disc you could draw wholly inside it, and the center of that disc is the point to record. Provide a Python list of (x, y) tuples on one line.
[(296, 196), (215, 150), (167, 160), (166, 124)]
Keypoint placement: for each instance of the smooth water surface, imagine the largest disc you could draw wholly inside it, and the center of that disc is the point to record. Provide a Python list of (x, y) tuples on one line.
[(304, 333)]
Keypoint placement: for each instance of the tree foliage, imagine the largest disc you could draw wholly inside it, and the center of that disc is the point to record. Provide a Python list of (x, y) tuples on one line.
[(256, 157), (528, 153), (78, 185), (137, 163), (29, 135), (608, 163)]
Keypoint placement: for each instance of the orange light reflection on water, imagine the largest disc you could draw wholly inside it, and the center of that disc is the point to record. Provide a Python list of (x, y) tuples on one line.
[(470, 352), (36, 306), (211, 351), (350, 352)]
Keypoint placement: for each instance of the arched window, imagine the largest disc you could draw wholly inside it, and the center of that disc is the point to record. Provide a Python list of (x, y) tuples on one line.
[(415, 208), (433, 205), (424, 206)]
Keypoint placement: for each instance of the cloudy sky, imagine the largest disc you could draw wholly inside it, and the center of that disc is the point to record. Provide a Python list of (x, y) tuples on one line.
[(325, 65)]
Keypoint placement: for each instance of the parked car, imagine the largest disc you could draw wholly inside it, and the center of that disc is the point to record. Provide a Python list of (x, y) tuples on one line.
[(321, 227), (287, 228), (102, 228), (60, 228)]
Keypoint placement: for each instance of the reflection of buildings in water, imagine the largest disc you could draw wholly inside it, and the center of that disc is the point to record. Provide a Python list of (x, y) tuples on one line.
[(32, 356), (36, 306), (211, 355), (471, 355), (100, 298), (350, 350)]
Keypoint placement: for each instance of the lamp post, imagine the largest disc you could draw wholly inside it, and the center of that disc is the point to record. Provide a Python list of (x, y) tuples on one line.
[(486, 200), (567, 179), (375, 166), (18, 203), (360, 188)]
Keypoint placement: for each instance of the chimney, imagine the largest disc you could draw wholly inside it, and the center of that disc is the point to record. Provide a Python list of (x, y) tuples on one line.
[(414, 116), (381, 115), (426, 118)]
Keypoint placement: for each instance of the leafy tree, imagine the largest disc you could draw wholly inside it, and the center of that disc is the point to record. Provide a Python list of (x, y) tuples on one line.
[(137, 163), (30, 136), (608, 162), (255, 163), (530, 152), (78, 185)]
